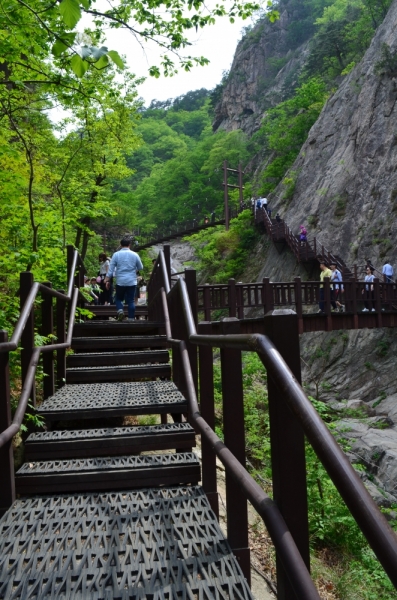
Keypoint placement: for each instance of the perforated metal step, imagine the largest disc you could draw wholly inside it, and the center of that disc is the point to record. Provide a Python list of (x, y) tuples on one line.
[(86, 359), (107, 473), (120, 343), (152, 544), (90, 400), (96, 374), (108, 441)]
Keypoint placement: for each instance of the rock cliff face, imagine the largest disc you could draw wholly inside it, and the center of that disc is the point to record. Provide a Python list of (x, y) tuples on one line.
[(346, 172), (265, 69)]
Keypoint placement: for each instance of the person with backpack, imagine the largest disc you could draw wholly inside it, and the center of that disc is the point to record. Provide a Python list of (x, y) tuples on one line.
[(303, 235)]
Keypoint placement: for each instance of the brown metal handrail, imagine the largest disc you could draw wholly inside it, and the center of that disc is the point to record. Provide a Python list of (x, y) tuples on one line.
[(19, 414), (72, 296), (372, 523), (283, 541)]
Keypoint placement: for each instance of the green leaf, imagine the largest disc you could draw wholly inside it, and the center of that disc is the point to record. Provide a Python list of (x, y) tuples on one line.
[(79, 65), (85, 4), (116, 58), (70, 11), (63, 44), (102, 62)]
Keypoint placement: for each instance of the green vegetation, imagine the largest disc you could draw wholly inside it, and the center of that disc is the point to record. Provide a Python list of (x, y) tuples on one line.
[(224, 254)]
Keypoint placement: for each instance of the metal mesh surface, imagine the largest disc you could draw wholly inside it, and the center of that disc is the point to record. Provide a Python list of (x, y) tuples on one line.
[(152, 544), (112, 395), (105, 432), (110, 463)]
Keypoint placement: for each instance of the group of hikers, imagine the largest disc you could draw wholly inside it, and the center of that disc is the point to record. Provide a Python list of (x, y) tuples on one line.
[(125, 265), (262, 203), (336, 286)]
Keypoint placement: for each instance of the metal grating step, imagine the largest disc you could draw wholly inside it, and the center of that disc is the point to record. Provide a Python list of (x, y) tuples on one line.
[(120, 343), (83, 359), (96, 374), (107, 473), (96, 400), (123, 328), (152, 544), (108, 441)]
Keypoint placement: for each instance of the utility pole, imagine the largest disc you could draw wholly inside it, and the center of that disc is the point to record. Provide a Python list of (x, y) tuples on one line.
[(239, 172)]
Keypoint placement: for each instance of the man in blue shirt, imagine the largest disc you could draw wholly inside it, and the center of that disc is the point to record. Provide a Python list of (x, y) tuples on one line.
[(127, 264), (387, 272)]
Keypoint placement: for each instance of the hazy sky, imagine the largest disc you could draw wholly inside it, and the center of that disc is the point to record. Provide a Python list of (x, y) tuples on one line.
[(216, 42)]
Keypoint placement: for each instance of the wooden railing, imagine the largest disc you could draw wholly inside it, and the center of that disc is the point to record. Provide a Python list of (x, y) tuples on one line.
[(292, 416), (24, 335), (303, 296), (160, 235)]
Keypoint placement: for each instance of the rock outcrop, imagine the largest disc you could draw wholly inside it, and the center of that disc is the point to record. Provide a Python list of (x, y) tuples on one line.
[(346, 173), (264, 71)]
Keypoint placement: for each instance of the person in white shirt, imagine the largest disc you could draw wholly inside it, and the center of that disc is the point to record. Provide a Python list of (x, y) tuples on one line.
[(128, 265), (387, 272), (368, 292)]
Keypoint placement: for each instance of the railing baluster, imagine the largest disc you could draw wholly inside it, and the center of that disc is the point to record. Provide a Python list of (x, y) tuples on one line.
[(61, 339), (47, 325), (233, 427), (378, 303), (232, 297), (298, 302), (191, 284), (7, 478), (288, 445), (27, 338), (207, 410), (207, 302)]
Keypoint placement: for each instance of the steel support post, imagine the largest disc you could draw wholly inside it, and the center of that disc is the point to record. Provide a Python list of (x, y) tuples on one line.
[(287, 445), (207, 410), (61, 339), (191, 285), (234, 435), (226, 195), (167, 258), (47, 328), (27, 338), (7, 479)]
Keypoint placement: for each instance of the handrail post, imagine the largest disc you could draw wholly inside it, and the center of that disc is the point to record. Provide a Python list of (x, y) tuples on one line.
[(298, 302), (27, 338), (61, 339), (207, 410), (287, 445), (378, 303), (232, 297), (7, 478), (191, 284), (207, 302), (233, 428), (167, 258), (69, 274), (268, 293), (47, 328), (327, 303)]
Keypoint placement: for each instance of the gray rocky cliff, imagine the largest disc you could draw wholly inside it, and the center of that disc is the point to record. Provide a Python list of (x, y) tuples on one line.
[(264, 72), (346, 172)]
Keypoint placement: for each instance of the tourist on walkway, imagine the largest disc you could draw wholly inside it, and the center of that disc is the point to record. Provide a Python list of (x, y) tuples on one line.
[(369, 299), (303, 235), (105, 296), (325, 272), (278, 218), (128, 265), (336, 293), (213, 217), (387, 272), (264, 203)]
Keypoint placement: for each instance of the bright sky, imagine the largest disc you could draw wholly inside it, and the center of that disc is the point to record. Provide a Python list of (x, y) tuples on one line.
[(216, 42)]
